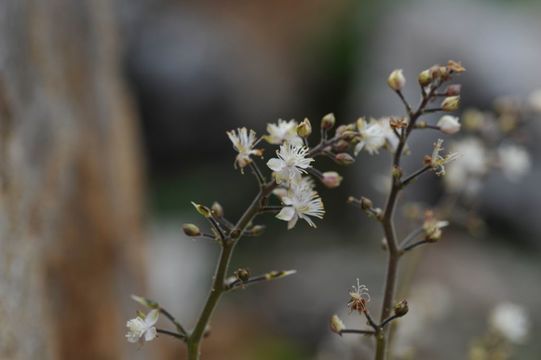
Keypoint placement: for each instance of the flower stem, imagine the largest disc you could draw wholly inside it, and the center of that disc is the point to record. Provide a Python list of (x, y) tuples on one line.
[(218, 284), (389, 225)]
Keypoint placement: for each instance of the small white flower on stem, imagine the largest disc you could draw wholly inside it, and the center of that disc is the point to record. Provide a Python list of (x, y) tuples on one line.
[(432, 227), (290, 164), (511, 321), (283, 131), (514, 161), (373, 136), (359, 297), (140, 329), (449, 124), (301, 202), (244, 141), (438, 161)]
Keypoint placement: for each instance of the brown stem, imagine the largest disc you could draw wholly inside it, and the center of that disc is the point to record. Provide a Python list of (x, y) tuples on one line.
[(218, 285), (389, 226)]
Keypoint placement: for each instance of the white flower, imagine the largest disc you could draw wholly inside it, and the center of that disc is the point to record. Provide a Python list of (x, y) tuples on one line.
[(243, 141), (290, 164), (465, 173), (511, 321), (373, 136), (301, 202), (139, 327), (283, 131), (390, 136), (449, 124), (515, 161)]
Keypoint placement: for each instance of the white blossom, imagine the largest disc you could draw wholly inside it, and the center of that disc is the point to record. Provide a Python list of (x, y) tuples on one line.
[(243, 142), (301, 202), (373, 136), (449, 124), (511, 321), (514, 161), (283, 131), (139, 328), (290, 164), (465, 173)]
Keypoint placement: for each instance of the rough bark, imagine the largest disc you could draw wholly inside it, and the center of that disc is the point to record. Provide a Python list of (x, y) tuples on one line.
[(70, 189)]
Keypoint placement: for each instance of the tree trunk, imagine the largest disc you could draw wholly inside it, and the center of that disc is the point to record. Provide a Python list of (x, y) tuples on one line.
[(70, 183)]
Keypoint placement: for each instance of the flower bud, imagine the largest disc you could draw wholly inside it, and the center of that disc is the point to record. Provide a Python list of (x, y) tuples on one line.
[(328, 121), (242, 274), (191, 230), (449, 124), (450, 103), (453, 90), (257, 230), (396, 172), (344, 159), (337, 325), (425, 77), (341, 145), (304, 129), (396, 80), (217, 209), (331, 179), (203, 210), (455, 66), (145, 302), (366, 203), (401, 308)]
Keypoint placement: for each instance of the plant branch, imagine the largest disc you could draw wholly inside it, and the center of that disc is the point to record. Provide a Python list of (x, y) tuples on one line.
[(415, 174), (355, 331), (414, 245), (171, 333), (171, 318)]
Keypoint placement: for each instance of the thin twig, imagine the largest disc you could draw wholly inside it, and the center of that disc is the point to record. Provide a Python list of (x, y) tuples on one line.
[(171, 318), (415, 174), (171, 333), (355, 331), (415, 244)]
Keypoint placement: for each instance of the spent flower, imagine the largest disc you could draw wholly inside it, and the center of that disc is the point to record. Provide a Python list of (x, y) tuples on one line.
[(244, 141)]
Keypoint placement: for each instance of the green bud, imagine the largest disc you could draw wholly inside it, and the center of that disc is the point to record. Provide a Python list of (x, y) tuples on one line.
[(328, 121), (425, 77), (191, 230), (450, 103), (217, 209), (401, 308), (304, 129), (203, 210), (242, 274)]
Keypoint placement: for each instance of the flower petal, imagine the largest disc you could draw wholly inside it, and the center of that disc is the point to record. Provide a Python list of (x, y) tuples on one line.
[(150, 334), (275, 164), (358, 148), (152, 317), (291, 224), (287, 213)]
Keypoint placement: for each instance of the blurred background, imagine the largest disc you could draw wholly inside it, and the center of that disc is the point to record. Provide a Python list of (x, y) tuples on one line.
[(113, 117)]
